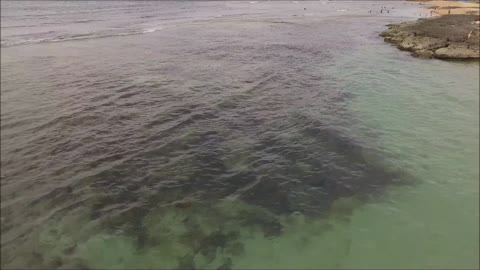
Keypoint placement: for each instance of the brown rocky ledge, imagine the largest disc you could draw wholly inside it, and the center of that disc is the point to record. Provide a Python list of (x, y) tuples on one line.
[(445, 37)]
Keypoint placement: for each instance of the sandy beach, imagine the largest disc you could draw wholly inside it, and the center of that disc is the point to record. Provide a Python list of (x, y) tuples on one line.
[(456, 8)]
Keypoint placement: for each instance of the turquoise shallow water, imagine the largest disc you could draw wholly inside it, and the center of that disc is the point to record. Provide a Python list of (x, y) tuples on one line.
[(233, 135), (428, 113)]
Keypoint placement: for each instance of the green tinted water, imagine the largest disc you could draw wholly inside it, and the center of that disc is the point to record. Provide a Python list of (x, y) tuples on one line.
[(428, 113)]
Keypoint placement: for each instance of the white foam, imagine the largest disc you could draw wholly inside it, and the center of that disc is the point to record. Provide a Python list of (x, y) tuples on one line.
[(151, 30)]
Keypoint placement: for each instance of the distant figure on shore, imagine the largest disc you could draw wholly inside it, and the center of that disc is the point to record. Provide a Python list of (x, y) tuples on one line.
[(448, 10), (381, 10), (304, 8)]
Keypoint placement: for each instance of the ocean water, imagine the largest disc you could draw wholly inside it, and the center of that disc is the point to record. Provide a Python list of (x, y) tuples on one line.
[(232, 135)]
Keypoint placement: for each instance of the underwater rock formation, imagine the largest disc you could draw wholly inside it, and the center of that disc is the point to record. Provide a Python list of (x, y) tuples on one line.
[(207, 196)]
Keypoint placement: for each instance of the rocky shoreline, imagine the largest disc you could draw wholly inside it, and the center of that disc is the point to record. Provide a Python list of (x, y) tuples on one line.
[(445, 37)]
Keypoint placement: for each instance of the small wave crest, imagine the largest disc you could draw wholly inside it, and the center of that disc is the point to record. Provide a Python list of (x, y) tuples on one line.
[(152, 29), (73, 37)]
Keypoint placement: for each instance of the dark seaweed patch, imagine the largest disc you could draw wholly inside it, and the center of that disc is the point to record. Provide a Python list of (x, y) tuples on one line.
[(186, 262), (305, 173), (227, 264)]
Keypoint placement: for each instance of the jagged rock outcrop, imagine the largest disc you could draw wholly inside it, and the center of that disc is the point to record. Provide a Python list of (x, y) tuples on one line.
[(456, 52), (446, 37)]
